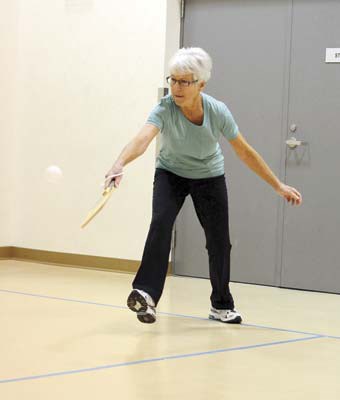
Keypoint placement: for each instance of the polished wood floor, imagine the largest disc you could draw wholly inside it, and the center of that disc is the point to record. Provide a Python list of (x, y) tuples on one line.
[(66, 333)]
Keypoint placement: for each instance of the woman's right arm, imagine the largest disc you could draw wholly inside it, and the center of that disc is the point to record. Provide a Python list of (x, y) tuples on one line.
[(135, 148)]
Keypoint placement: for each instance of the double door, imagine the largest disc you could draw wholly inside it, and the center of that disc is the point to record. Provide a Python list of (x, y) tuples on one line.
[(269, 68)]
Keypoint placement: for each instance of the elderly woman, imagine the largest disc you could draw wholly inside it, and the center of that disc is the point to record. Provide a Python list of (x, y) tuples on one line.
[(191, 162)]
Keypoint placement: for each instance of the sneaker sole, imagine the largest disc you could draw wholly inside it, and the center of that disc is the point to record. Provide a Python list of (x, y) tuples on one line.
[(138, 304), (237, 320)]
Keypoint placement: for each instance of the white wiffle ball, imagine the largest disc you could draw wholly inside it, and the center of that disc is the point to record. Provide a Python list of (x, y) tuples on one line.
[(53, 174)]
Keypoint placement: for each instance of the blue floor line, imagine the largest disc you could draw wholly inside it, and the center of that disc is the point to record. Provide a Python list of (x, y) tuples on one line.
[(150, 360), (164, 313)]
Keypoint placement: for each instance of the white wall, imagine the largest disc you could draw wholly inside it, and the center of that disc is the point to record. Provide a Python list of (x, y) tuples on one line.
[(8, 39), (87, 75)]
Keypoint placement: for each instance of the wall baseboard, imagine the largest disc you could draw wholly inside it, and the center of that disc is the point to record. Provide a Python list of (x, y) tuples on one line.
[(71, 260), (5, 252)]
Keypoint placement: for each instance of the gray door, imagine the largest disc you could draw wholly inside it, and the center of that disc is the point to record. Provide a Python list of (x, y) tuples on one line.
[(311, 233), (248, 75), (265, 81)]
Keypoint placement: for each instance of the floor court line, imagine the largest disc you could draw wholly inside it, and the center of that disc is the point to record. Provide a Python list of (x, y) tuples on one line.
[(162, 313), (150, 360)]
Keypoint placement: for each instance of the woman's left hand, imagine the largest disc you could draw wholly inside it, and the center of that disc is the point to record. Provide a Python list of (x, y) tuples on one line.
[(290, 194)]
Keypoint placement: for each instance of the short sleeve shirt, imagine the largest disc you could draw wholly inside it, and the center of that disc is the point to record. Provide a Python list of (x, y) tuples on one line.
[(187, 149)]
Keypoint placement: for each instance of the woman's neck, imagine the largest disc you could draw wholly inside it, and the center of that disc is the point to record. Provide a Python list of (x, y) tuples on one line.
[(195, 107)]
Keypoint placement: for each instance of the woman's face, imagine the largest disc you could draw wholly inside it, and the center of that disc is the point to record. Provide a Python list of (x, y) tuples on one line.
[(185, 95)]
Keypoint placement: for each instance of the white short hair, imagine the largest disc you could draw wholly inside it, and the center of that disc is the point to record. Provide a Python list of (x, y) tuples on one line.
[(191, 60)]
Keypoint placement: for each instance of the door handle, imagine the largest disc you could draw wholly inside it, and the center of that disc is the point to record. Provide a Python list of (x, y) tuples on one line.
[(292, 143)]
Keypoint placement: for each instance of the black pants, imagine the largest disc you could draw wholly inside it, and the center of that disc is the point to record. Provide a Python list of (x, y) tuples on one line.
[(210, 199)]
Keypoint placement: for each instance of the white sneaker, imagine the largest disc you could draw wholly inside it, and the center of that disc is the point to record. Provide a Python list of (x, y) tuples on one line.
[(142, 303), (228, 316)]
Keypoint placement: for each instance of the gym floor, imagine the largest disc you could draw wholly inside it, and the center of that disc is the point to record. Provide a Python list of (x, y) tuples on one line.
[(66, 333)]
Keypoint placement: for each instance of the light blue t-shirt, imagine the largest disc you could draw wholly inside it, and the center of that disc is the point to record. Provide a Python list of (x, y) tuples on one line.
[(190, 150)]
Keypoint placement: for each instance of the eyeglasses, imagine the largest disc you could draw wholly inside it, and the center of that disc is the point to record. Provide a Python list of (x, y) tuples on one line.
[(181, 82)]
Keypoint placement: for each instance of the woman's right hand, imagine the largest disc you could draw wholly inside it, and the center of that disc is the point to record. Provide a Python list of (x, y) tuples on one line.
[(117, 169)]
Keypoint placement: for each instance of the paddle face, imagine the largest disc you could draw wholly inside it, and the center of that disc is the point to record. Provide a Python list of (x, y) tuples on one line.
[(101, 203)]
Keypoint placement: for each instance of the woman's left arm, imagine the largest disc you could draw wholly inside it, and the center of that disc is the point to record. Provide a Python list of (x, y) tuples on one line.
[(255, 162)]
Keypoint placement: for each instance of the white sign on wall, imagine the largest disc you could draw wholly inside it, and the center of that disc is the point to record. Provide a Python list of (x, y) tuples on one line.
[(332, 55)]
